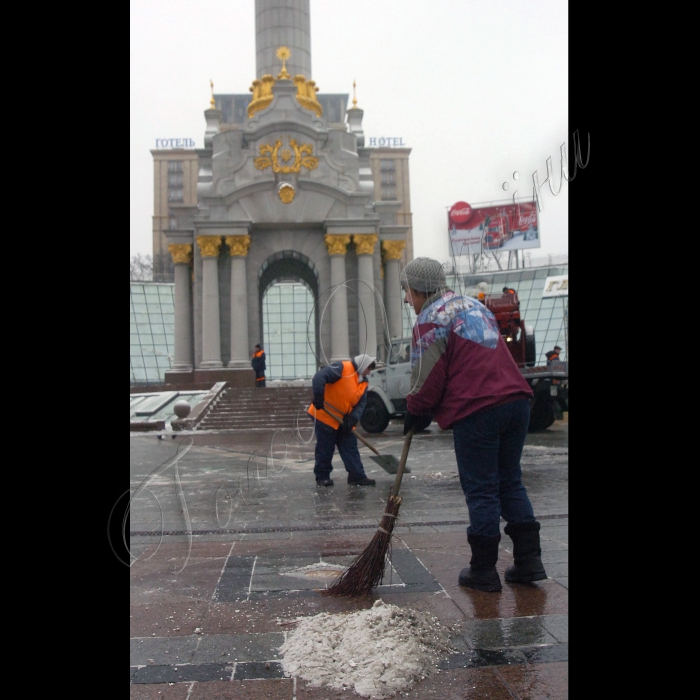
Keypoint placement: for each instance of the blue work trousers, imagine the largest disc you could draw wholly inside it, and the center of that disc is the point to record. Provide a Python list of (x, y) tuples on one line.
[(488, 447), (327, 439)]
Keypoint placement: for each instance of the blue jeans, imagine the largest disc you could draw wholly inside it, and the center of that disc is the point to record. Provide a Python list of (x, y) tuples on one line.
[(488, 446), (327, 439)]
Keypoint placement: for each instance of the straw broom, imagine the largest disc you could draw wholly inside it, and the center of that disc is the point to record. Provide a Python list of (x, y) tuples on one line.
[(366, 572)]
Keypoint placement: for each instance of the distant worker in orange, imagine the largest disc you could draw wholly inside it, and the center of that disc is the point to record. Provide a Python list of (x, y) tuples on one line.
[(508, 290), (258, 363), (553, 355)]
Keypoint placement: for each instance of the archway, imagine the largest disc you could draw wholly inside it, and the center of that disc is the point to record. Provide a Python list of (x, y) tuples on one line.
[(288, 289)]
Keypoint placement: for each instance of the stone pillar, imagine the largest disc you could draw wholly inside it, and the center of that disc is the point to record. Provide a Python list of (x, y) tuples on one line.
[(282, 23), (211, 332), (238, 250), (393, 295), (340, 341), (182, 255), (367, 318)]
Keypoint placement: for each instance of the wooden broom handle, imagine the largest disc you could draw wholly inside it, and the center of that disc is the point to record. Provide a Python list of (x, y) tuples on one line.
[(374, 449), (402, 463)]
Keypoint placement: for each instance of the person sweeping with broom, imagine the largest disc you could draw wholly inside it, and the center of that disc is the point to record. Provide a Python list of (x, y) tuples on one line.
[(339, 399), (464, 375)]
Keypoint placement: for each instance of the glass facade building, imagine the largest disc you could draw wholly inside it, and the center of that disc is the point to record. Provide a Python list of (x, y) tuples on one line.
[(151, 330), (548, 317), (289, 328)]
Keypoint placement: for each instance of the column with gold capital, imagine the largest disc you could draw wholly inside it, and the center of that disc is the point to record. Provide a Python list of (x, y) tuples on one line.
[(340, 343), (367, 319), (211, 333), (182, 255), (238, 250), (393, 296)]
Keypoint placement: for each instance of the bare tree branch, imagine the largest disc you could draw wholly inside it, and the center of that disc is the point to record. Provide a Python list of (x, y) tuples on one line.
[(140, 268)]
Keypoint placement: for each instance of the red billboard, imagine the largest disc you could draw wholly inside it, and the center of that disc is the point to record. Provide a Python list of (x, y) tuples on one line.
[(496, 228)]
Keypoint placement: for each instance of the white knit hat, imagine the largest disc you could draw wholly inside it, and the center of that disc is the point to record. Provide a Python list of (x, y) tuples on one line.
[(424, 275), (362, 362)]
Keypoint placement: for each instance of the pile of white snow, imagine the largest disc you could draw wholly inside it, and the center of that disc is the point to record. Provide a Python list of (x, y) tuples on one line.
[(375, 652), (440, 476)]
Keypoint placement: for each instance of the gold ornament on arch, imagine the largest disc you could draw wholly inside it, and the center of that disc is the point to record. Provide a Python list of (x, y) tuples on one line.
[(283, 53), (302, 157), (286, 193), (262, 89)]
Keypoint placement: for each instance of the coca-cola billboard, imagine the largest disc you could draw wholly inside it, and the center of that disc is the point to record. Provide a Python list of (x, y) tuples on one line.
[(495, 228), (460, 213)]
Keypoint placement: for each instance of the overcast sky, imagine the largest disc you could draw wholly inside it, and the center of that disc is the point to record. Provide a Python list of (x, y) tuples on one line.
[(477, 89)]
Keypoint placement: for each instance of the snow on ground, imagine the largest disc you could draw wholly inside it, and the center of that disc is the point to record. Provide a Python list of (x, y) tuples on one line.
[(375, 652)]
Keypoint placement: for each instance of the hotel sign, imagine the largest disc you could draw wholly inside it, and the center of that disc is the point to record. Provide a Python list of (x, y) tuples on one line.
[(386, 141), (556, 286), (175, 143)]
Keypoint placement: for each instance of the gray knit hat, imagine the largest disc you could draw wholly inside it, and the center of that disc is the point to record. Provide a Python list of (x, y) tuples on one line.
[(424, 275)]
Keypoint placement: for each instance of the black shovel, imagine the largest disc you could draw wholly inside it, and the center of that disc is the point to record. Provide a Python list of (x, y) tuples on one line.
[(387, 462)]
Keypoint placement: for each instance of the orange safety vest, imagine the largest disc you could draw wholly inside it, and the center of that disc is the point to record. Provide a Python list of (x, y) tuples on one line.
[(259, 353), (340, 397)]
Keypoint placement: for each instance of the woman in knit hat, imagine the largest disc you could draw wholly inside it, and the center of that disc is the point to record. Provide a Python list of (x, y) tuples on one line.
[(464, 375)]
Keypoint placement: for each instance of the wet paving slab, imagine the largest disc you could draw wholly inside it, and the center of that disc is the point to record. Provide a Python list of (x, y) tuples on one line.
[(215, 591), (549, 680), (293, 502)]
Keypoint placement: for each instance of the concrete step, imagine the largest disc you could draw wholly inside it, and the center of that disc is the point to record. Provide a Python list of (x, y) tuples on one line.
[(257, 414), (248, 425), (261, 404), (281, 407), (253, 417), (265, 399)]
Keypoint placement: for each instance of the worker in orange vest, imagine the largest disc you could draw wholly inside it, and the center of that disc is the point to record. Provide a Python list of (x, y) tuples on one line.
[(553, 355), (340, 397), (258, 363)]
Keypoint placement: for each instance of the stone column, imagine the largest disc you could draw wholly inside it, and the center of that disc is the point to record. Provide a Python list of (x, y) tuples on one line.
[(238, 250), (211, 332), (182, 255), (282, 23), (393, 295), (367, 318), (340, 341)]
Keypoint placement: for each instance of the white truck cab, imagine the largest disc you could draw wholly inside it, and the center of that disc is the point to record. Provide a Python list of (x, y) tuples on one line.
[(389, 384)]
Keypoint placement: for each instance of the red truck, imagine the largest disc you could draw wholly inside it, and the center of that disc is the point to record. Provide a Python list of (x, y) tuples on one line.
[(496, 233), (549, 382), (389, 383)]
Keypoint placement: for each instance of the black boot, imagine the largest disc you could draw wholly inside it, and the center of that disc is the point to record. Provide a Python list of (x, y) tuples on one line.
[(361, 481), (527, 554), (481, 572)]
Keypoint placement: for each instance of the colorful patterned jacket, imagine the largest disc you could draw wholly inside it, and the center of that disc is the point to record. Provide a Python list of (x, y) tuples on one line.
[(460, 362)]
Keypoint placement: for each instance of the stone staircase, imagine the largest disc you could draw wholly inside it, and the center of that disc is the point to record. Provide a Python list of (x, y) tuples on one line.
[(258, 409)]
